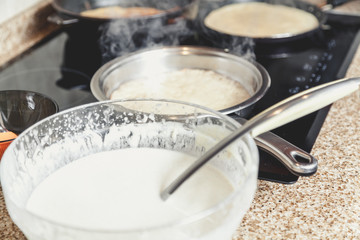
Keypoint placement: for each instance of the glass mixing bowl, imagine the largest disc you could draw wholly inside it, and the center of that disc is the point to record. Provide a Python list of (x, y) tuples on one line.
[(69, 135)]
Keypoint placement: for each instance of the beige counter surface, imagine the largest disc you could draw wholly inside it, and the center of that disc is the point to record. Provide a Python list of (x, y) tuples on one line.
[(323, 206), (24, 30)]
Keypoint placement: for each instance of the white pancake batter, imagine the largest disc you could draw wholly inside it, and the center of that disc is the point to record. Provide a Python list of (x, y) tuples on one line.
[(120, 189)]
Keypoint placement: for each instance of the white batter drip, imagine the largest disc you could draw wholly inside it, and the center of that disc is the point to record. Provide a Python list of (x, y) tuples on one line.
[(120, 189), (202, 87)]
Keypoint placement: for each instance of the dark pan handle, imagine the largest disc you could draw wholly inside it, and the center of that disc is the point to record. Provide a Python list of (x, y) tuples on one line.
[(61, 21), (335, 3)]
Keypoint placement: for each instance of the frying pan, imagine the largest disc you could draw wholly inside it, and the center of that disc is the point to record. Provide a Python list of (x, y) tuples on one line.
[(107, 38), (69, 11), (263, 45)]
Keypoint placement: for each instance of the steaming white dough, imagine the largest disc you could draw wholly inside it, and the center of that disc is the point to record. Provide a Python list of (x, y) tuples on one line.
[(202, 87), (120, 12), (120, 189), (260, 20)]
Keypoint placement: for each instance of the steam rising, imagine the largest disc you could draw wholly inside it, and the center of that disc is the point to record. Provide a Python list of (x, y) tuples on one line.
[(122, 37), (243, 47)]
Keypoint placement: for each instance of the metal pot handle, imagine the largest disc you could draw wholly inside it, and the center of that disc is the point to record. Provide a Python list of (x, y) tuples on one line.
[(60, 20), (295, 159)]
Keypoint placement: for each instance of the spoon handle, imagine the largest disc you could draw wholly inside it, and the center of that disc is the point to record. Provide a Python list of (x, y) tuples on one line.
[(279, 114), (302, 104)]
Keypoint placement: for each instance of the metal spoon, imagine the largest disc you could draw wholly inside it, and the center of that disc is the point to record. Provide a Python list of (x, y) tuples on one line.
[(279, 114)]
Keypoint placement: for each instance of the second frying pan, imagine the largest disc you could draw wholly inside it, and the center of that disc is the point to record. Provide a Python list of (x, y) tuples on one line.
[(263, 45)]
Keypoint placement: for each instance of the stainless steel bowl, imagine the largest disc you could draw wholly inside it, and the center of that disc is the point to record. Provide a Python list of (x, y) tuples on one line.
[(159, 60)]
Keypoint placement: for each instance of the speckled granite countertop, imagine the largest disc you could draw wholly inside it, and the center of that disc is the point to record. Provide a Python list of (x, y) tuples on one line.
[(323, 206)]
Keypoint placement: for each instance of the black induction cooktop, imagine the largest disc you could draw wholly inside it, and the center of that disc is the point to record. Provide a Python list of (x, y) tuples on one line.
[(61, 66), (326, 60)]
